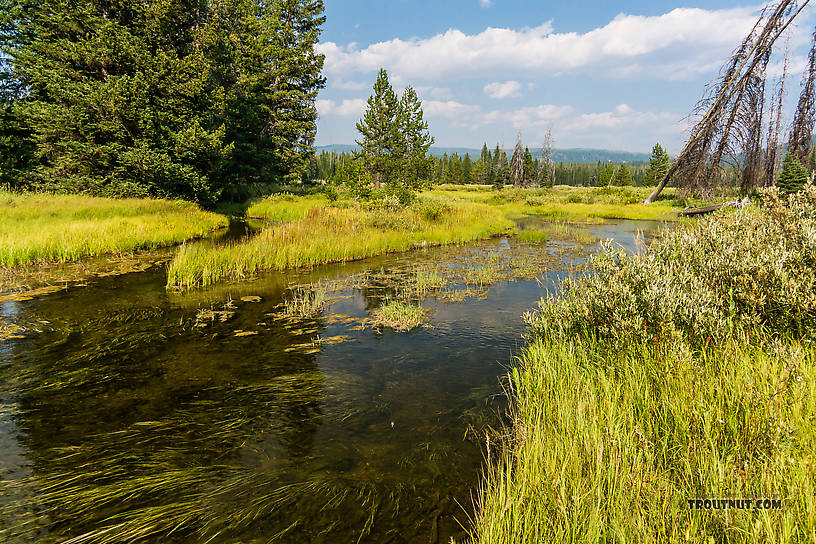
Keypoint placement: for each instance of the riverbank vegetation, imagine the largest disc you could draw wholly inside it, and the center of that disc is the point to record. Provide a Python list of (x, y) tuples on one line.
[(46, 227), (683, 373)]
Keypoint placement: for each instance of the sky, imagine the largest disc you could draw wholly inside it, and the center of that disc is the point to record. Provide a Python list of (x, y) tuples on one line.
[(608, 75)]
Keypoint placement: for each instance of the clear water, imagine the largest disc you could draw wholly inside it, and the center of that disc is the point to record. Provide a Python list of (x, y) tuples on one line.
[(123, 419)]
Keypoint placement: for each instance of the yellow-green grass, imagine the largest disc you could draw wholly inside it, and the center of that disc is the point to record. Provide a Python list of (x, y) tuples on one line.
[(571, 204), (285, 207), (611, 448), (45, 227), (398, 315), (330, 234)]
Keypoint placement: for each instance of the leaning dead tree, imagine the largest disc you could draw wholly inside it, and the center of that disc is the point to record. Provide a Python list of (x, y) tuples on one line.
[(729, 130), (802, 130)]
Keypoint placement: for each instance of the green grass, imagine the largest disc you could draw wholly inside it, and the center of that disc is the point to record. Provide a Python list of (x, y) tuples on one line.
[(571, 204), (306, 303), (285, 207), (609, 449), (332, 234), (45, 227), (686, 372), (398, 315)]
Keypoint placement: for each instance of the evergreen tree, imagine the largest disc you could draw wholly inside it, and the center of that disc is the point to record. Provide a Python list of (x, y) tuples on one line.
[(467, 169), (529, 169), (658, 166), (381, 147), (413, 130), (794, 176), (480, 173), (485, 157), (606, 175), (623, 176), (171, 98), (501, 170)]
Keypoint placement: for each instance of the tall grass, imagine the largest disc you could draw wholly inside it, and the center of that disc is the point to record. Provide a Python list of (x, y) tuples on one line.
[(684, 373), (329, 234), (40, 227)]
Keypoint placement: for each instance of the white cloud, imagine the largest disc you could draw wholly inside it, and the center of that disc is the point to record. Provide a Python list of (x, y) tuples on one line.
[(485, 3), (349, 85), (346, 108), (508, 89), (683, 39)]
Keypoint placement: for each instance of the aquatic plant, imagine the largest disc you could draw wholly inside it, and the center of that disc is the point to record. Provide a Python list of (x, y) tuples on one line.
[(398, 315), (306, 303)]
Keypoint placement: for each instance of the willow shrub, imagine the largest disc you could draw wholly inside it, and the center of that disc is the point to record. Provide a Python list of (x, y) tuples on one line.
[(752, 269)]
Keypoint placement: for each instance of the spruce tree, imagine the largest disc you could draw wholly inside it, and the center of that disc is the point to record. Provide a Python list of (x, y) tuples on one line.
[(794, 176), (381, 146), (529, 169), (416, 140), (606, 175), (658, 166), (623, 176), (467, 169)]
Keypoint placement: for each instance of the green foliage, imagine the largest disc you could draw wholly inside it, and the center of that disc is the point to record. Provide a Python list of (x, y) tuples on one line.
[(623, 177), (167, 98), (659, 164), (762, 274), (794, 176), (606, 174)]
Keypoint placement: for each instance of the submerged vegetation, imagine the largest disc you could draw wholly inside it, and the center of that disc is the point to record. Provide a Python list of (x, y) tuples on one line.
[(683, 373), (45, 227)]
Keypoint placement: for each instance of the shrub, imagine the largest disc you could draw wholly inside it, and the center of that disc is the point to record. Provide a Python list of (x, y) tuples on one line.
[(733, 272)]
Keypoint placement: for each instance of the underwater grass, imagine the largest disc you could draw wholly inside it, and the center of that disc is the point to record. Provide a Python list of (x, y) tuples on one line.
[(45, 227), (330, 234), (685, 372)]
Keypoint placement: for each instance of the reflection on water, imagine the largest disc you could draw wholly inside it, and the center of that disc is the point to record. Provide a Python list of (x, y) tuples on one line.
[(127, 419)]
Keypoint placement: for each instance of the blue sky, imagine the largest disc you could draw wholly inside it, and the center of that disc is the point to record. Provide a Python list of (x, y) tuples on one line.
[(604, 75)]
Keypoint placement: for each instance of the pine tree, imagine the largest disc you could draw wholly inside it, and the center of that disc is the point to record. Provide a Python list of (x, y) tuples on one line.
[(501, 170), (659, 164), (623, 176), (794, 176), (381, 144), (479, 173)]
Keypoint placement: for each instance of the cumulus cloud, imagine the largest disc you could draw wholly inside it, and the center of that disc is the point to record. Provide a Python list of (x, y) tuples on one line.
[(346, 108), (682, 39), (508, 89)]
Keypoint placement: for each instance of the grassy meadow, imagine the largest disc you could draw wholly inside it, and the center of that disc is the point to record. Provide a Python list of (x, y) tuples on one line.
[(313, 229), (683, 373), (47, 227)]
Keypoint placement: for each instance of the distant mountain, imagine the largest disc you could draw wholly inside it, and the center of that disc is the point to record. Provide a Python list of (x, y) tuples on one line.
[(559, 155)]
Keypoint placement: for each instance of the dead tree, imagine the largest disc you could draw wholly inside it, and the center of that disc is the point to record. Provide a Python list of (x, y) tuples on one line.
[(801, 137), (729, 110), (547, 160), (517, 164), (775, 125)]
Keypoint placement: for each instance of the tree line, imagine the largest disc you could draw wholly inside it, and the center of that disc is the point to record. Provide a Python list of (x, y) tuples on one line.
[(493, 167), (170, 99)]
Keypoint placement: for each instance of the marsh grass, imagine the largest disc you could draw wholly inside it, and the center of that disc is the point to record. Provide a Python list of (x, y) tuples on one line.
[(398, 315), (331, 234), (45, 227), (306, 303), (562, 232), (571, 204), (686, 372)]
